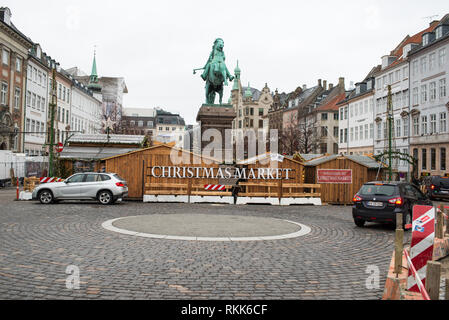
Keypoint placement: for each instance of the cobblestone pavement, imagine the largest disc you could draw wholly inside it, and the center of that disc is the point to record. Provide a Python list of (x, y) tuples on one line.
[(39, 242)]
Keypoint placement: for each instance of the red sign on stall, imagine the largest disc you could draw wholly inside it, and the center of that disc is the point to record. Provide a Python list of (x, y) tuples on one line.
[(334, 176)]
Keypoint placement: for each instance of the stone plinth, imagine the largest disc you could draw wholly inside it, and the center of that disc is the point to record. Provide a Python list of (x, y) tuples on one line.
[(217, 117)]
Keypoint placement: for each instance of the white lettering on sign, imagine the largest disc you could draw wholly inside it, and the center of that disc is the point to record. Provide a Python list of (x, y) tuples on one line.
[(220, 173)]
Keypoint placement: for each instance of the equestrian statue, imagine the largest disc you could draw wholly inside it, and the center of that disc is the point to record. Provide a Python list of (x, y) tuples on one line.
[(215, 73)]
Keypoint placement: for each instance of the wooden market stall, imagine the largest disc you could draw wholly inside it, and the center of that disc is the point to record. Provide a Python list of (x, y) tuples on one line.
[(342, 176), (143, 171), (84, 152), (283, 184)]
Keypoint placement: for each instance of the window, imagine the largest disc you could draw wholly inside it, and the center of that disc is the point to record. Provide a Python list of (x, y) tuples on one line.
[(17, 98), (140, 123), (132, 123), (260, 123), (398, 128), (433, 123), (351, 135), (76, 178), (424, 125), (346, 135), (150, 124), (442, 57), (443, 122), (439, 32), (442, 88), (342, 113), (433, 91), (432, 58), (366, 131), (324, 116), (405, 124), (443, 159), (4, 94), (379, 130), (405, 73), (33, 127), (324, 131), (416, 126), (415, 96), (433, 159), (371, 131), (18, 64), (424, 93), (5, 57), (356, 138), (341, 135), (33, 101), (335, 115), (424, 159), (424, 65), (415, 68), (27, 126), (346, 112), (38, 103), (336, 132), (260, 112)]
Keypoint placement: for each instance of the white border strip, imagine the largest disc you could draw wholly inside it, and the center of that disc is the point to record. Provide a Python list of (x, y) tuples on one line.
[(108, 225)]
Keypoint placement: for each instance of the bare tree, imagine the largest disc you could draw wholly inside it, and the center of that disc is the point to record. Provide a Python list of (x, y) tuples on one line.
[(289, 136), (308, 131)]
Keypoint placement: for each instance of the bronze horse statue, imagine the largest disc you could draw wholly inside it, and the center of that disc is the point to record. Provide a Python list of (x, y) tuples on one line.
[(216, 74)]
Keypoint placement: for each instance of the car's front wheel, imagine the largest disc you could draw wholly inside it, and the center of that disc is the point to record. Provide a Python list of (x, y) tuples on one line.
[(105, 197), (45, 197)]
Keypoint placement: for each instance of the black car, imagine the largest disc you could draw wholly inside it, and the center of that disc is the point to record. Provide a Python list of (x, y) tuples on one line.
[(437, 187), (381, 201)]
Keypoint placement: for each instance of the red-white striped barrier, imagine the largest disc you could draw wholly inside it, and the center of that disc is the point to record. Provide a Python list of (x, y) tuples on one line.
[(421, 249), (419, 283), (214, 187), (49, 180)]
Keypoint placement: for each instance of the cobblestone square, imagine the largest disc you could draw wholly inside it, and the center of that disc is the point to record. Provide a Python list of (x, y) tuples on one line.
[(39, 242)]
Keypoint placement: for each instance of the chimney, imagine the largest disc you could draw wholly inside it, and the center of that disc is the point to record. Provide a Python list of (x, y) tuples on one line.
[(319, 83), (5, 15), (341, 83), (331, 86), (304, 87), (325, 84)]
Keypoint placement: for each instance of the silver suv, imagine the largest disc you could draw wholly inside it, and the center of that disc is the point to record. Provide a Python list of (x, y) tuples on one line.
[(107, 188)]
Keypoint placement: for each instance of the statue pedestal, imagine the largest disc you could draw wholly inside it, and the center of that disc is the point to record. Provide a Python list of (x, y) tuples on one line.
[(217, 117)]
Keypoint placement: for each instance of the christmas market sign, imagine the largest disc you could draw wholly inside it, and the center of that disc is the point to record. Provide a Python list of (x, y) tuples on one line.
[(220, 173), (334, 176)]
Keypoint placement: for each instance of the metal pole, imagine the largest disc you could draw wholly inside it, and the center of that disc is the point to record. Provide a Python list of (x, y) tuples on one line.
[(390, 116), (52, 124)]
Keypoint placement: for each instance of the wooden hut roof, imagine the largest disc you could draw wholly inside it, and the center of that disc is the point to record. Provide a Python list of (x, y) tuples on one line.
[(272, 156), (365, 161), (168, 146)]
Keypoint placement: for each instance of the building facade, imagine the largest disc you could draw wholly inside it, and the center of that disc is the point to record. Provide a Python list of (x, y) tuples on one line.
[(14, 47), (138, 121), (85, 110), (429, 141), (36, 103), (170, 127), (356, 125), (394, 73)]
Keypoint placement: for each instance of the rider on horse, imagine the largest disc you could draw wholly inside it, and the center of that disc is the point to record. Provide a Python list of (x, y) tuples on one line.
[(217, 62)]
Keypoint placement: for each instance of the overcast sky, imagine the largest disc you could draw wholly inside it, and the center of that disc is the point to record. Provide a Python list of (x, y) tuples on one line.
[(155, 45)]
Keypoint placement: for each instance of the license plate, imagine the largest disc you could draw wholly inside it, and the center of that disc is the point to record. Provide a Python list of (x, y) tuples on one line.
[(444, 192), (375, 204)]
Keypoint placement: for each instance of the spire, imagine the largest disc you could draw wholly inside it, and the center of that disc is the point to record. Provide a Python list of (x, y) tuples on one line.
[(248, 92), (237, 77), (93, 80)]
